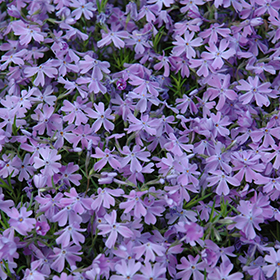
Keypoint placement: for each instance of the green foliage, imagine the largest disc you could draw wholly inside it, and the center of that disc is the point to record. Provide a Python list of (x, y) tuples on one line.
[(178, 88), (101, 5), (121, 57)]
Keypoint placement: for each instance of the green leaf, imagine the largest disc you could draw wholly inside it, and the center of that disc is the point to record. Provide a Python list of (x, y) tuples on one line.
[(212, 212), (20, 269), (15, 129), (98, 6), (5, 185), (156, 39), (195, 201)]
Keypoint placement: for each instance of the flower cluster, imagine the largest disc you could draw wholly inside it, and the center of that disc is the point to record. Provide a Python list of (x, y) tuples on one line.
[(139, 140)]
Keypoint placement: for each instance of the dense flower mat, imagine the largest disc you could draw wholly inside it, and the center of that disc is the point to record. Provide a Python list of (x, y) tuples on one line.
[(139, 140)]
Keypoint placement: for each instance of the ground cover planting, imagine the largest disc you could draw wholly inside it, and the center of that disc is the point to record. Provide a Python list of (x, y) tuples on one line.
[(139, 140)]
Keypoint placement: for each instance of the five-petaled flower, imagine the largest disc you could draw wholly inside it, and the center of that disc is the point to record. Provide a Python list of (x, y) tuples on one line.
[(114, 229)]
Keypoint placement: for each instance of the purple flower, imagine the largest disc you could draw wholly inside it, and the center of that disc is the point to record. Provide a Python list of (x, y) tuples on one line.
[(82, 8), (49, 204), (254, 91), (189, 6), (95, 85), (27, 32), (274, 267), (223, 272), (45, 97), (213, 253), (46, 120), (105, 199), (191, 25), (218, 159), (220, 88), (16, 58), (83, 133), (134, 202), (144, 124), (247, 163), (218, 124), (213, 31), (9, 165), (134, 176), (114, 229), (66, 214), (218, 54), (155, 209), (63, 276), (44, 69), (78, 203), (48, 162), (149, 250), (222, 179), (187, 177), (72, 231), (256, 268), (270, 130), (275, 21), (192, 231), (126, 270), (73, 85), (69, 253), (186, 45), (102, 117), (113, 36), (121, 84), (33, 273), (98, 67), (144, 86), (25, 169), (5, 204), (133, 156), (176, 145), (156, 272), (64, 65), (67, 174), (123, 107), (75, 111), (42, 227), (204, 66), (268, 6), (139, 41), (250, 217), (163, 62), (186, 103), (20, 221), (147, 11), (105, 157), (144, 100), (191, 267)]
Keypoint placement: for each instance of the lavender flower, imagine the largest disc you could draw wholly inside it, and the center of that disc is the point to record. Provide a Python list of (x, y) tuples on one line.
[(114, 229), (19, 220)]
